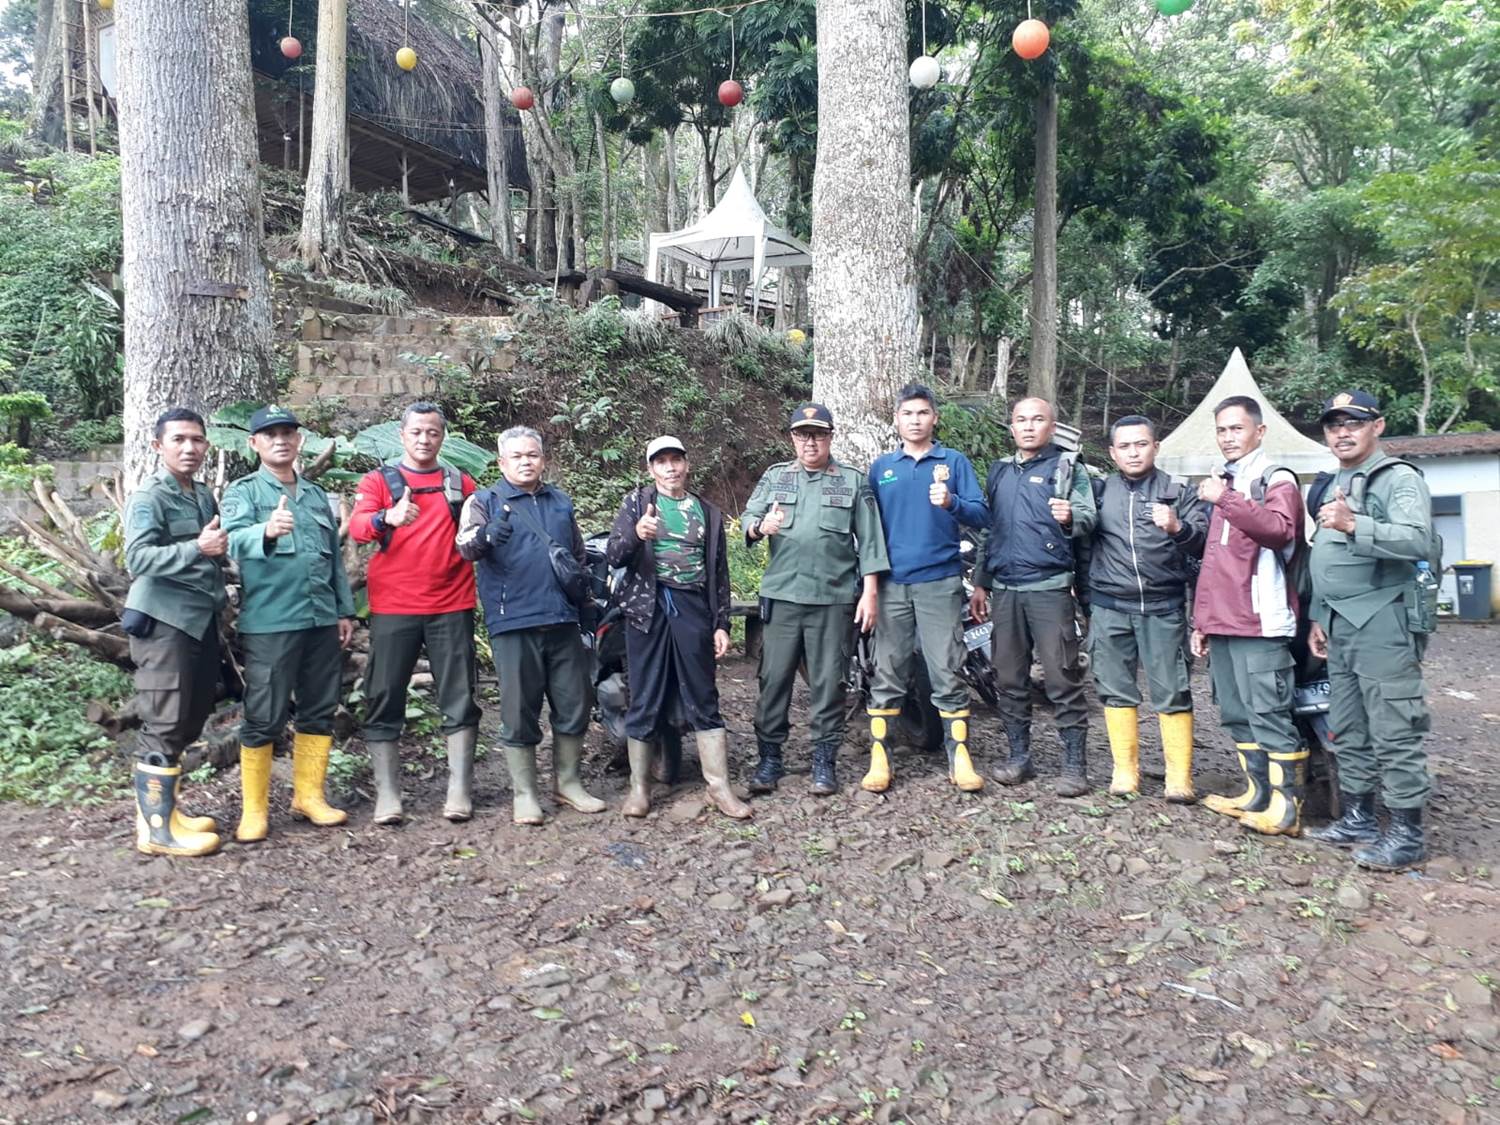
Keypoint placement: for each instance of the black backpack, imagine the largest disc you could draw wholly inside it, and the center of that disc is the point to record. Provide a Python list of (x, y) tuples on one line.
[(452, 489)]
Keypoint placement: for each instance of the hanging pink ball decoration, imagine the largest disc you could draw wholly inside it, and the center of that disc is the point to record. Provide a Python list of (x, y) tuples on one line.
[(1030, 39), (731, 93), (291, 47), (521, 97)]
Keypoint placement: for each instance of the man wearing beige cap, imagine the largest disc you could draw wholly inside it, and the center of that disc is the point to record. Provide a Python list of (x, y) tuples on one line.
[(676, 601)]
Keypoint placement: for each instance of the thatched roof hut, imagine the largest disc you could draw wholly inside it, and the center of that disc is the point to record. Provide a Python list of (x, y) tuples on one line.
[(422, 130)]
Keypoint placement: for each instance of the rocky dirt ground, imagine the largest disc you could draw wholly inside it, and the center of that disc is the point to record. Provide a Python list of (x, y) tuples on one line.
[(928, 956)]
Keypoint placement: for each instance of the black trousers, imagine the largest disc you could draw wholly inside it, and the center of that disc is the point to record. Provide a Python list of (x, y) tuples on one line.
[(303, 663), (548, 662), (673, 663), (1040, 622), (396, 640), (177, 679)]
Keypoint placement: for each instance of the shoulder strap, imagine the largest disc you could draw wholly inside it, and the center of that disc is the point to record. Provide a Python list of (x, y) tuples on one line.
[(395, 483), (536, 524), (1317, 490), (1262, 484)]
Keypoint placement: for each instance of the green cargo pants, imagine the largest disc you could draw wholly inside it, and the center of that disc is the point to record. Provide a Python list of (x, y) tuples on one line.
[(929, 612), (303, 663), (1121, 643), (177, 679), (548, 661), (1253, 682), (396, 640), (1377, 710), (823, 636)]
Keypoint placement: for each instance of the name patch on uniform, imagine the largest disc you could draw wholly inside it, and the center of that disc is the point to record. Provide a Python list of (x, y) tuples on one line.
[(1037, 480)]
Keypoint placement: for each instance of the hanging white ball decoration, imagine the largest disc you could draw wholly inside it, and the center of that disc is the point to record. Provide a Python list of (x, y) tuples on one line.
[(925, 72), (622, 90)]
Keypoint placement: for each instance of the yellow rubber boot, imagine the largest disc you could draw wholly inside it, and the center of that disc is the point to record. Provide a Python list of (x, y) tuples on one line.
[(1257, 794), (157, 830), (877, 778), (1283, 814), (184, 823), (1123, 725), (309, 771), (1177, 751), (255, 789), (960, 767)]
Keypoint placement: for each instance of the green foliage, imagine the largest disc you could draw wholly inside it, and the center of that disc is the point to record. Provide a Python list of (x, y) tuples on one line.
[(80, 437), (747, 564), (981, 432), (383, 443), (51, 754), (16, 469), (19, 410), (60, 329)]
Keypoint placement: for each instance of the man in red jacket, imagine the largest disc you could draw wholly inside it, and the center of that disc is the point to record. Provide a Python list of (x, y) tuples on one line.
[(1245, 616), (421, 595)]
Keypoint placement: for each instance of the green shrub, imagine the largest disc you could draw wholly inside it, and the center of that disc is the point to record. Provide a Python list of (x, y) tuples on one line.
[(83, 436), (50, 754)]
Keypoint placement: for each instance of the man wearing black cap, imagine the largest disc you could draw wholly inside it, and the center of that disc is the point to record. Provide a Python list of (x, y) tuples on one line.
[(296, 617), (1373, 536), (676, 601), (827, 552)]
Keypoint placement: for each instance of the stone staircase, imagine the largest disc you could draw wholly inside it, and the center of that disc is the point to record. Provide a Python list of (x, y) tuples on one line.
[(359, 361)]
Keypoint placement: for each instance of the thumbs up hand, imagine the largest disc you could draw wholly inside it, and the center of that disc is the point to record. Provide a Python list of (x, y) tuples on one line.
[(498, 531), (281, 522), (649, 525), (771, 522), (403, 512), (1337, 514), (938, 494), (212, 541)]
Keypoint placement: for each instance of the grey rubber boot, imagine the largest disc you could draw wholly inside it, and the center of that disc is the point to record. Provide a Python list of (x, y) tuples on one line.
[(713, 758), (638, 803), (385, 765), (567, 755), (521, 761), (460, 802)]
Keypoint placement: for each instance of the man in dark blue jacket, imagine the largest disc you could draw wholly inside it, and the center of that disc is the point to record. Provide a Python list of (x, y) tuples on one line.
[(508, 529), (1040, 502), (926, 493)]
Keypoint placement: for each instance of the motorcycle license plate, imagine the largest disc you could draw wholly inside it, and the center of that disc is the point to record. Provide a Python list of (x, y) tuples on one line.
[(977, 636)]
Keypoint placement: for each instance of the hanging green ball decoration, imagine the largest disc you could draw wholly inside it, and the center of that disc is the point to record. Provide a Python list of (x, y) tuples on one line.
[(623, 91), (1173, 7)]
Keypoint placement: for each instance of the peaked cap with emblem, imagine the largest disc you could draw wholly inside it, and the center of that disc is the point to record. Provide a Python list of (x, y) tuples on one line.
[(273, 415), (1356, 404), (811, 416)]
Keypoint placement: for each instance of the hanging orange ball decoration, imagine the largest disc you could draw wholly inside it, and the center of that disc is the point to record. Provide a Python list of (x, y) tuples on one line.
[(291, 47), (406, 59), (521, 97), (1030, 39), (731, 93)]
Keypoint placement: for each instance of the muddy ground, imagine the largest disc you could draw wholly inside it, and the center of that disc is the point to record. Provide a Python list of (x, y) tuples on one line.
[(927, 956)]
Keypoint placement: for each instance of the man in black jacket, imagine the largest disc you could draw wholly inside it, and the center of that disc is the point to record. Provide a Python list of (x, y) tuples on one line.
[(1149, 527), (676, 601)]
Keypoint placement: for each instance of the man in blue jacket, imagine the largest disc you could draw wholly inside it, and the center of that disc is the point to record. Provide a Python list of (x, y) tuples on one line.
[(926, 492), (508, 529), (1040, 502)]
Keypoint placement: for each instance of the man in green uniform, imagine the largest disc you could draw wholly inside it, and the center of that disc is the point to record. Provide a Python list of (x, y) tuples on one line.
[(827, 552), (174, 549), (1374, 527), (296, 617)]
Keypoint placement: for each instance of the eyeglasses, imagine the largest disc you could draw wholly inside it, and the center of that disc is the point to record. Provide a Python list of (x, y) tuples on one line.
[(1348, 425), (811, 437)]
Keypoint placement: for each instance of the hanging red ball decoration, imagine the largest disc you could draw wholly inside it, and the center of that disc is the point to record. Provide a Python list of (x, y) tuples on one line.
[(291, 47), (522, 98), (1030, 39), (731, 93)]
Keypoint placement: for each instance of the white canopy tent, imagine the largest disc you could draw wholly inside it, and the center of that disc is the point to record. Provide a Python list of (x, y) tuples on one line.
[(735, 235), (1191, 451)]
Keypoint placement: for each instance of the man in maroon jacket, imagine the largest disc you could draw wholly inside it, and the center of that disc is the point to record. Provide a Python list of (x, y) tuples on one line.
[(421, 595), (1245, 617)]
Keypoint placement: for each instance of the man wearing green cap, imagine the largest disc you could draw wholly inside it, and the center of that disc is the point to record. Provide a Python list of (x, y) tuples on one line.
[(296, 617), (827, 552), (1374, 533)]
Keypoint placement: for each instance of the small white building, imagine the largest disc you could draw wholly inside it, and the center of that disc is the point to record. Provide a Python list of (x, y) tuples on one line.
[(1463, 475)]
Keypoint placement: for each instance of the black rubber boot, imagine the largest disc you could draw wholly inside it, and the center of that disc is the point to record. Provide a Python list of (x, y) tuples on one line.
[(1402, 844), (825, 779), (1074, 780), (1357, 824), (770, 770), (1016, 768)]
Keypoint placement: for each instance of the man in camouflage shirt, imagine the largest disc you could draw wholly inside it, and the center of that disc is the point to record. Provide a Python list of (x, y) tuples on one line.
[(676, 601)]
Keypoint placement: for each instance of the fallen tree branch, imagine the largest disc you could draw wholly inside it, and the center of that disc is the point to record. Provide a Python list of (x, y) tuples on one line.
[(114, 649), (37, 584), (77, 610)]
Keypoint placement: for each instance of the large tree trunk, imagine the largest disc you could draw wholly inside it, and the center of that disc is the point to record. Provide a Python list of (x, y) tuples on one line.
[(322, 242), (496, 146), (197, 297), (48, 57), (864, 294), (1042, 375)]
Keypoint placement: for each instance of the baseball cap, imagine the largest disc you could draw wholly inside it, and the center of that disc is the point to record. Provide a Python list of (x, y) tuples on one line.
[(664, 444), (1356, 404), (268, 416), (811, 416)]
